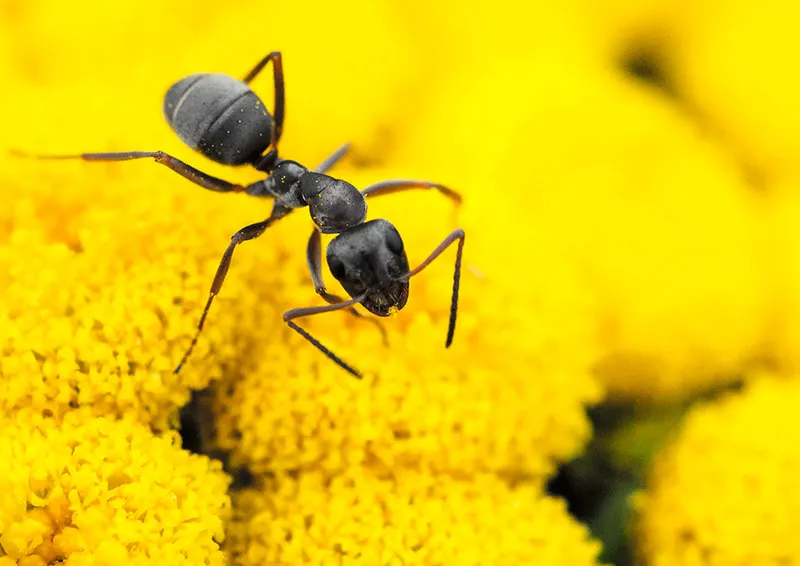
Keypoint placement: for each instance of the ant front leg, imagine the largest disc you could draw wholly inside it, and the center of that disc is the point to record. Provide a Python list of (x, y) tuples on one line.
[(186, 171), (290, 315), (247, 233), (398, 185), (459, 235), (314, 261), (277, 72)]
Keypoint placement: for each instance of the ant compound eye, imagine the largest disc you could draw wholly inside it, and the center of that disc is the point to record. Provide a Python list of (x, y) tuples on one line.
[(394, 242), (337, 267)]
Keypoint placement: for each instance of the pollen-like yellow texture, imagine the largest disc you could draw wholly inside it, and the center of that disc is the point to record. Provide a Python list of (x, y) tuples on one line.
[(91, 490), (407, 520), (105, 277), (725, 491)]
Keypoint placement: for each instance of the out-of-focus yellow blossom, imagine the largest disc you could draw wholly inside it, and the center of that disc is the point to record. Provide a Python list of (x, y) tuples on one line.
[(784, 236), (725, 62), (507, 396), (90, 490), (663, 231), (725, 491), (619, 30), (410, 519), (731, 64)]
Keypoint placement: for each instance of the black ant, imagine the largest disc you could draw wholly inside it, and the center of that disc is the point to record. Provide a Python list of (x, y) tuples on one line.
[(222, 118)]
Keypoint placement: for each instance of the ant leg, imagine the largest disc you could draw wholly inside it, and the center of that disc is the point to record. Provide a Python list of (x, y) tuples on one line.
[(397, 185), (332, 159), (247, 233), (314, 261), (289, 315), (186, 171), (459, 235), (277, 71)]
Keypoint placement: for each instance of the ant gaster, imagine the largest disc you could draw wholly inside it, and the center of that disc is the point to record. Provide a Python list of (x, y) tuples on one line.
[(222, 118)]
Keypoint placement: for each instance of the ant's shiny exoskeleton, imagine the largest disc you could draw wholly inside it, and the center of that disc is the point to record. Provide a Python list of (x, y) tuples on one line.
[(222, 118)]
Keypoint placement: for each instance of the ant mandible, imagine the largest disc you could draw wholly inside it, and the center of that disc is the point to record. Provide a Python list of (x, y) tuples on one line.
[(222, 118)]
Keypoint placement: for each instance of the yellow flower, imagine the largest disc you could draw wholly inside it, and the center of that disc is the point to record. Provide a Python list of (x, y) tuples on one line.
[(725, 491), (724, 62), (358, 518), (783, 346), (653, 217), (103, 286), (729, 64), (91, 490)]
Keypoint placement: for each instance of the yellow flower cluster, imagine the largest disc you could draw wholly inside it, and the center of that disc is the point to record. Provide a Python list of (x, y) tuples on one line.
[(723, 66), (725, 491), (419, 406), (636, 197), (642, 185), (109, 266), (92, 490), (101, 293), (409, 519), (611, 226)]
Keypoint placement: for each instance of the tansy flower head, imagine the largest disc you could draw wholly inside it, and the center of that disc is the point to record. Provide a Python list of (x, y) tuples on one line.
[(90, 490), (729, 64), (633, 196), (102, 289), (783, 213), (725, 491), (410, 519), (723, 62)]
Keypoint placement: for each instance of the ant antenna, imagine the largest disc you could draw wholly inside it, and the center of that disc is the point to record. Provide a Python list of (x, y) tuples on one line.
[(289, 315), (459, 235)]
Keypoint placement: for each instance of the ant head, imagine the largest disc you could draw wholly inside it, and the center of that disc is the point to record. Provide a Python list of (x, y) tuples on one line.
[(370, 259)]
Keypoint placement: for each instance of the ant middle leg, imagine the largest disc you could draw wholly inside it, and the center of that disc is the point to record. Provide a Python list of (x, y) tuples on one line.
[(398, 185), (186, 171), (314, 261), (247, 233), (280, 99)]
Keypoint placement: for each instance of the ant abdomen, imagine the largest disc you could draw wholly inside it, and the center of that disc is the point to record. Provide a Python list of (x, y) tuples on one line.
[(219, 116)]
